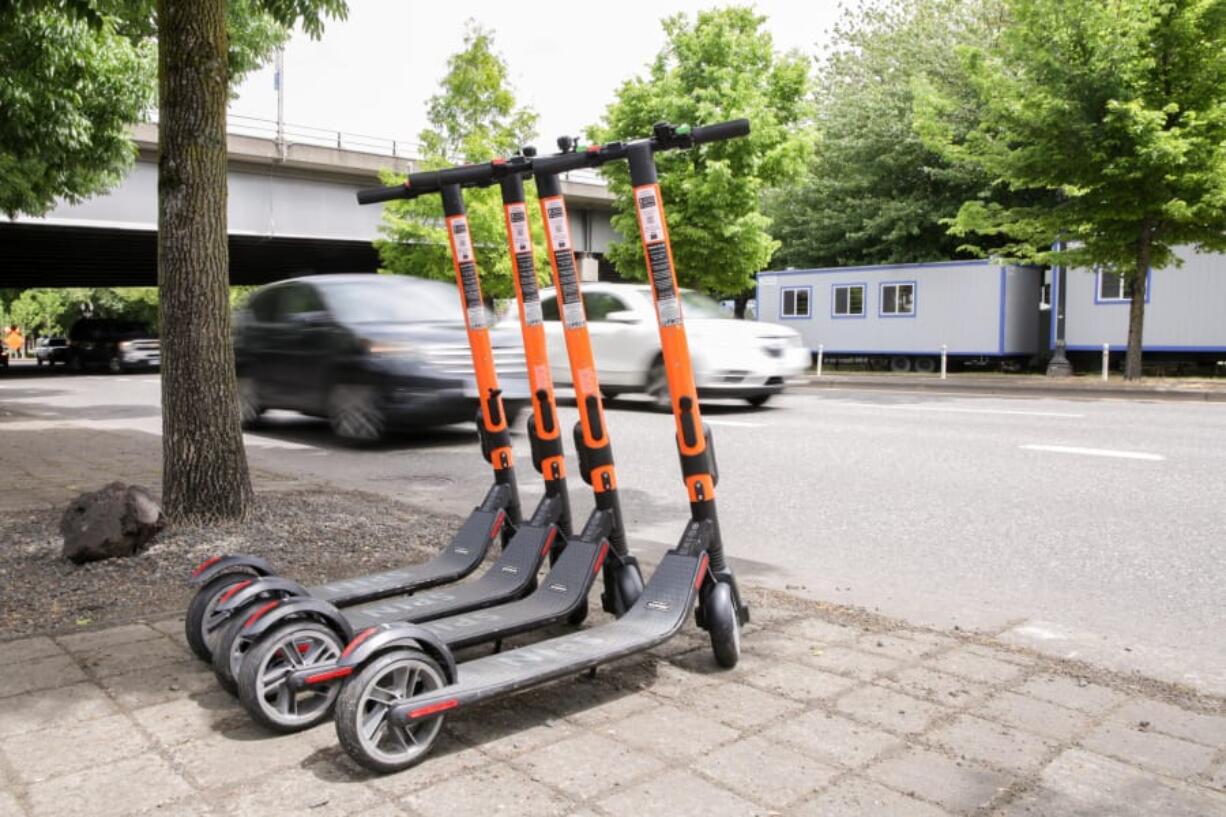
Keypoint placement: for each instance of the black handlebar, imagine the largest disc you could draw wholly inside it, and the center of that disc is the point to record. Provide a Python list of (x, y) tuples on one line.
[(374, 195), (664, 137), (720, 131)]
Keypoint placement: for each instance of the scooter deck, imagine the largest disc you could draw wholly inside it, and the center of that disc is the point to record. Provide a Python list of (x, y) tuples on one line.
[(508, 578), (562, 591), (658, 614), (461, 557)]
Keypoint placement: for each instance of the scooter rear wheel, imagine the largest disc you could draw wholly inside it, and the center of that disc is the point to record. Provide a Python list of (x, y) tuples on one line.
[(199, 610), (362, 708), (262, 681), (723, 625)]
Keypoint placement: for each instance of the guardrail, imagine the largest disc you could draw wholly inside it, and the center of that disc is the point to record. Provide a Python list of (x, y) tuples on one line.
[(293, 134)]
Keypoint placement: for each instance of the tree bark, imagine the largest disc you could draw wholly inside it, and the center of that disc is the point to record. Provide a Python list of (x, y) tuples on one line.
[(1136, 308), (738, 305), (204, 464)]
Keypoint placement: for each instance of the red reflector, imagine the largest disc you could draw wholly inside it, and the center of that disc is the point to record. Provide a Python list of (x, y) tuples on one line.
[(254, 617), (205, 565), (497, 526), (702, 570), (330, 675), (593, 148), (433, 709), (553, 532), (229, 594), (604, 551), (498, 161), (362, 636)]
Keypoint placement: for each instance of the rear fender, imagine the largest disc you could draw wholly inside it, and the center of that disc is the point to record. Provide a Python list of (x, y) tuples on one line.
[(314, 609), (206, 570), (260, 588), (373, 641)]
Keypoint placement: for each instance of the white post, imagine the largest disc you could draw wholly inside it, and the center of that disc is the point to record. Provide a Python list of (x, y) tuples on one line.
[(1106, 359), (821, 352), (944, 359), (279, 78)]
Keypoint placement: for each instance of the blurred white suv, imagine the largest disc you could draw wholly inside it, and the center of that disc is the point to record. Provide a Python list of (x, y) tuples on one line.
[(732, 358)]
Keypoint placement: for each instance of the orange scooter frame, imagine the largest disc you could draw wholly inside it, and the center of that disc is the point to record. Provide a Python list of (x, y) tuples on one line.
[(624, 579)]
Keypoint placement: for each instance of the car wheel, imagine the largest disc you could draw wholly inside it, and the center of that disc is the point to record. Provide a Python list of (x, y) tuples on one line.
[(898, 363), (355, 414), (249, 408), (925, 365), (758, 400), (114, 365), (657, 387)]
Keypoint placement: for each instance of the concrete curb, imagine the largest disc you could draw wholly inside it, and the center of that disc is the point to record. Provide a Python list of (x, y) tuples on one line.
[(1014, 386)]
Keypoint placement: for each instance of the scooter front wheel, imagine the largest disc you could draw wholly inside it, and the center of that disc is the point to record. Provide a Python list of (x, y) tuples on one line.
[(263, 681), (723, 625), (201, 608), (629, 586), (366, 699)]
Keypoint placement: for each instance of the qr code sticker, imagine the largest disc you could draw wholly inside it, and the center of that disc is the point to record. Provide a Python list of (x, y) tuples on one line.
[(476, 317), (669, 311), (572, 315)]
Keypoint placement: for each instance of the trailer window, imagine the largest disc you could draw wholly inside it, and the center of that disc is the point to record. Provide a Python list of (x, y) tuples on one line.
[(849, 300), (898, 299), (796, 302), (1114, 287)]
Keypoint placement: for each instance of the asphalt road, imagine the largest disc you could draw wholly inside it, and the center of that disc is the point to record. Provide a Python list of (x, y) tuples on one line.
[(1091, 528)]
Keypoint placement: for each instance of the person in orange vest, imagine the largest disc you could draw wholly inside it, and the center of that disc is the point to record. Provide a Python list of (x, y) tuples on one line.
[(14, 340)]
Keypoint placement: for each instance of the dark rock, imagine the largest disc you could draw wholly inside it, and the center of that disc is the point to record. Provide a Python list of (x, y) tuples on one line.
[(118, 520)]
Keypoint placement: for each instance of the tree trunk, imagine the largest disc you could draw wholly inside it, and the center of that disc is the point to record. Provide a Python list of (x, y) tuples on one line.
[(1136, 309), (738, 306), (204, 465)]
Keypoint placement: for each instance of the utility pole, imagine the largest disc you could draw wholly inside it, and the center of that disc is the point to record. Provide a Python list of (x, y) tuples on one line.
[(1059, 365), (279, 80)]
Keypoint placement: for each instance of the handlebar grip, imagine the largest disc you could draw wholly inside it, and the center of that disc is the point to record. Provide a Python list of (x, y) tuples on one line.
[(720, 131), (373, 195)]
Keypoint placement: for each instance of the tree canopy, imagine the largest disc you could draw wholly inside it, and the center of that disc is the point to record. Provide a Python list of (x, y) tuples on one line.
[(874, 192), (69, 91), (76, 75), (719, 66), (1119, 109), (474, 118)]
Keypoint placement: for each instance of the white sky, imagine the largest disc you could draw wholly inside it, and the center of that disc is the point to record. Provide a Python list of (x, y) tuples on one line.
[(372, 73)]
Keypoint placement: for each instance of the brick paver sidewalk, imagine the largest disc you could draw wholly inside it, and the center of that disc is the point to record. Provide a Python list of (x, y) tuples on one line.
[(820, 718)]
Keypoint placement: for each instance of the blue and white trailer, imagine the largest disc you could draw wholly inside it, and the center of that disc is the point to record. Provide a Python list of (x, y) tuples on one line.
[(906, 314), (1185, 310)]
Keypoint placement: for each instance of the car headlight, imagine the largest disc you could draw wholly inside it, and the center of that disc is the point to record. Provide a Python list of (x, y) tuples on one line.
[(125, 345), (399, 351)]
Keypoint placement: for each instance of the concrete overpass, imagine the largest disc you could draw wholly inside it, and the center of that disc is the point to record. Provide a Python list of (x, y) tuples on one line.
[(291, 212)]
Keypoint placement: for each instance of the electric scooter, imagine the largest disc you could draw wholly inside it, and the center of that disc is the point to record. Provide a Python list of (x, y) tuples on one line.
[(287, 673), (399, 688), (233, 586)]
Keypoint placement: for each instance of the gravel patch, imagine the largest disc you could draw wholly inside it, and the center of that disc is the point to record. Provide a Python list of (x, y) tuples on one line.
[(312, 535)]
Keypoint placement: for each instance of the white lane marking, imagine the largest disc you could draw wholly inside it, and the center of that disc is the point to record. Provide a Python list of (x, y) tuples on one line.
[(733, 423), (1095, 452), (956, 410)]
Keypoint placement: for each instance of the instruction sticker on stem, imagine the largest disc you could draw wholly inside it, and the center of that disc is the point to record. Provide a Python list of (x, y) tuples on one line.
[(461, 243), (659, 265)]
